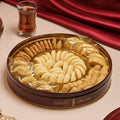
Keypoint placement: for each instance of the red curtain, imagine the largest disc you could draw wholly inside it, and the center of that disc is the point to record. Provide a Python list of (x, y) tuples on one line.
[(97, 19)]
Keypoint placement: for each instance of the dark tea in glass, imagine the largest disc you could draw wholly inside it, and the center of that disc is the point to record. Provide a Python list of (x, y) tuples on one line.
[(27, 16)]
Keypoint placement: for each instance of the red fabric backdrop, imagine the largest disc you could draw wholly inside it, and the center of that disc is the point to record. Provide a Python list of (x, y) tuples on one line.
[(97, 19)]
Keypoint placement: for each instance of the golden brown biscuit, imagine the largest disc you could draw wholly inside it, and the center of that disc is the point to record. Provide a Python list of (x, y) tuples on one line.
[(49, 64), (97, 55), (50, 44), (97, 67), (60, 78), (44, 57), (19, 63), (53, 78), (39, 68), (49, 56), (43, 61), (39, 73), (89, 75), (22, 71), (47, 88), (42, 45), (94, 77), (79, 62), (55, 69), (73, 76), (37, 60), (63, 54), (67, 44), (58, 64), (85, 84), (20, 58), (38, 46), (83, 45), (58, 55), (78, 73), (103, 73), (96, 58), (53, 55), (65, 89), (104, 70), (54, 42), (75, 84), (74, 89), (23, 55), (28, 80), (29, 52), (101, 78), (35, 48), (82, 70), (87, 51), (76, 44), (70, 69), (65, 67), (36, 84), (46, 45), (45, 76), (68, 56), (66, 78), (36, 65), (59, 44)]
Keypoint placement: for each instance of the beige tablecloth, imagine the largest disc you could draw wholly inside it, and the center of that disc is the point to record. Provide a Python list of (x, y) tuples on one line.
[(12, 105)]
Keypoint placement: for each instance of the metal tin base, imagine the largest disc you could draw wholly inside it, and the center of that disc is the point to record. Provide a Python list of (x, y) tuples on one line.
[(58, 100)]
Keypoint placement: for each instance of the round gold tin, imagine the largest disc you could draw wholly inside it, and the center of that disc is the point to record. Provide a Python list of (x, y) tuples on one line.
[(58, 100)]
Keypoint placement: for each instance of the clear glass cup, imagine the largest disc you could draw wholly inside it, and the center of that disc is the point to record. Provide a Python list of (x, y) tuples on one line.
[(27, 18)]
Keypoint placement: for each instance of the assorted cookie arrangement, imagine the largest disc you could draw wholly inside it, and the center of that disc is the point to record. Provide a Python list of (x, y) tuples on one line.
[(59, 65)]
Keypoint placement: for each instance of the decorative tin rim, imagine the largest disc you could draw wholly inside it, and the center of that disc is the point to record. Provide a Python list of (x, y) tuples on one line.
[(58, 95)]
